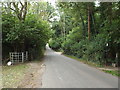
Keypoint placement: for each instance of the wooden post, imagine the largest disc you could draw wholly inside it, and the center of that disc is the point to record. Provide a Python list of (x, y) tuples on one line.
[(88, 22), (22, 57), (11, 57), (26, 55)]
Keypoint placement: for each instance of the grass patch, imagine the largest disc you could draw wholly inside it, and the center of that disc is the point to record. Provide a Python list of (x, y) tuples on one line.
[(12, 75), (115, 72)]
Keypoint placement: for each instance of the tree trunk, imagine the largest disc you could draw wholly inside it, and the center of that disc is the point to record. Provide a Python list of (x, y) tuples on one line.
[(20, 11), (93, 21), (89, 23), (83, 24)]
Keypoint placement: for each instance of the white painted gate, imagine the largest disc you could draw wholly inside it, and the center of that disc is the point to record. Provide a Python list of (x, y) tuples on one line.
[(18, 57)]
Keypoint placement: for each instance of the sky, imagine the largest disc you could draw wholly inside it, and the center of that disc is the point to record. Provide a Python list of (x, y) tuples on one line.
[(53, 1), (53, 4)]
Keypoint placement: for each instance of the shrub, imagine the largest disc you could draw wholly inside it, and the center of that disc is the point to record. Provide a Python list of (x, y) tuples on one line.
[(55, 43)]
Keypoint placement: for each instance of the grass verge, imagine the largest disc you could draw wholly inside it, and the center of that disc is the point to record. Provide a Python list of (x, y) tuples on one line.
[(12, 75), (113, 72)]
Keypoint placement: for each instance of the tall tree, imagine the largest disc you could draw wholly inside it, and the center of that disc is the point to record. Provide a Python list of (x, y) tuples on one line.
[(20, 9)]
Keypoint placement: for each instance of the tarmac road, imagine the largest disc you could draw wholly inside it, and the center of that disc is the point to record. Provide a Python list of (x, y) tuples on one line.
[(64, 72)]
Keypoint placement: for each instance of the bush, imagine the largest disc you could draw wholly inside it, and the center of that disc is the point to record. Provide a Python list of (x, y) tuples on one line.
[(55, 43), (94, 50), (30, 35)]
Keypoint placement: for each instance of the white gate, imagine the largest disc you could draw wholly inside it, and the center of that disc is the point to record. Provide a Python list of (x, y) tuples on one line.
[(18, 57)]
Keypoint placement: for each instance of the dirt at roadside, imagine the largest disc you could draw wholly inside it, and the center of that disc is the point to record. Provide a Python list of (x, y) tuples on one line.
[(109, 68), (33, 76)]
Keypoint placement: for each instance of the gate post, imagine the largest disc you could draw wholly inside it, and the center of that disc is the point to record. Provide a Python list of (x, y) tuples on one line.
[(22, 57), (26, 55)]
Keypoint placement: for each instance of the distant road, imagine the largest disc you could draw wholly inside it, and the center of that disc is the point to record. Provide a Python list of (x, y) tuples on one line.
[(64, 72)]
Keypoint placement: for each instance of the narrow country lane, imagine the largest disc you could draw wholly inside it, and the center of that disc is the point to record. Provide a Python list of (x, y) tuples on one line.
[(63, 72)]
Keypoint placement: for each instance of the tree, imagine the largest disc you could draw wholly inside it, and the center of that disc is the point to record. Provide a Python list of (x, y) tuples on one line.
[(23, 31), (20, 9), (89, 28)]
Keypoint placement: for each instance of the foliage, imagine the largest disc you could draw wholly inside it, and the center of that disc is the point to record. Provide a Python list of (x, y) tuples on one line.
[(100, 44), (55, 44), (30, 35), (115, 72)]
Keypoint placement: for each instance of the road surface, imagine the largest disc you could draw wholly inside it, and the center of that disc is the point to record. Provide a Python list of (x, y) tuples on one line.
[(64, 72)]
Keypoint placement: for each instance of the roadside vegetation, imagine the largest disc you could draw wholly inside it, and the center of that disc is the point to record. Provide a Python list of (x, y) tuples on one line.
[(113, 72), (25, 27), (88, 31)]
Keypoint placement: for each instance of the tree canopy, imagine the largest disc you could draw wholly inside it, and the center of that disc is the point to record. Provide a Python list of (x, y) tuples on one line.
[(88, 31), (24, 29), (81, 29)]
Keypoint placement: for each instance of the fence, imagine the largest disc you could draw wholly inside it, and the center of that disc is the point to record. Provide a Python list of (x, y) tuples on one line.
[(18, 57)]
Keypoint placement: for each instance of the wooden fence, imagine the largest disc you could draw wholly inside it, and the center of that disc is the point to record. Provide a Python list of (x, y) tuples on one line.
[(18, 57)]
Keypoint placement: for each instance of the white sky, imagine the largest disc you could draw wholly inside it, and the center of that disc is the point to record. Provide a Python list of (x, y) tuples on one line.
[(51, 1)]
